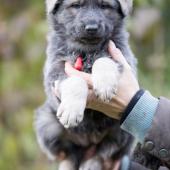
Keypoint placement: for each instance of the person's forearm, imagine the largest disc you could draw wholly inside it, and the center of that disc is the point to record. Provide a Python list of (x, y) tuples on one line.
[(138, 119), (149, 122)]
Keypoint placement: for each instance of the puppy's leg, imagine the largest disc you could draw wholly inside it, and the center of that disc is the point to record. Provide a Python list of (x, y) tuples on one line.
[(49, 132), (105, 74), (73, 93), (94, 163)]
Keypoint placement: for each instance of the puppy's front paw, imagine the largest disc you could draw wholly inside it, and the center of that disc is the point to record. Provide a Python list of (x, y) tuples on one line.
[(70, 112), (74, 93), (105, 74)]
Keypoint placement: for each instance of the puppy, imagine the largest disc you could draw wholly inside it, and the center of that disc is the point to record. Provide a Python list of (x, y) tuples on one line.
[(82, 28)]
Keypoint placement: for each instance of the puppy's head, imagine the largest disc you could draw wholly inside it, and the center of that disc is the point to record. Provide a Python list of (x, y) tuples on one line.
[(87, 24)]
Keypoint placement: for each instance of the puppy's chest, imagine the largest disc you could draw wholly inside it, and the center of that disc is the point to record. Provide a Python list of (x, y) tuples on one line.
[(85, 61)]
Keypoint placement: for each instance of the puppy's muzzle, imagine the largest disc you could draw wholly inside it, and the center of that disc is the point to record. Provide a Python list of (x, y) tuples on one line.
[(92, 29), (91, 32)]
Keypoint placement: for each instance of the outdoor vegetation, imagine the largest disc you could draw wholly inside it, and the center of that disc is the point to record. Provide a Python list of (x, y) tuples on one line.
[(23, 29)]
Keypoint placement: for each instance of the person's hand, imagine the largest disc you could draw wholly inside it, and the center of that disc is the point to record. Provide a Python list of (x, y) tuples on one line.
[(127, 86)]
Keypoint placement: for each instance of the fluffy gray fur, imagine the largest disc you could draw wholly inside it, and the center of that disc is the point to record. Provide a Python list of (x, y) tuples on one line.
[(66, 39)]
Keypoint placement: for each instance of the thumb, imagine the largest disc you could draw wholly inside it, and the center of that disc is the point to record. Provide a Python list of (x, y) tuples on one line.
[(70, 71), (117, 55)]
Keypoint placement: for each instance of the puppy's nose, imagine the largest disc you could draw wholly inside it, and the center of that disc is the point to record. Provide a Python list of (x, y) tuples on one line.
[(91, 28)]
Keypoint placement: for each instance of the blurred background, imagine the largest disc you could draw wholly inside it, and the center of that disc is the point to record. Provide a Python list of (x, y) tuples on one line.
[(23, 29)]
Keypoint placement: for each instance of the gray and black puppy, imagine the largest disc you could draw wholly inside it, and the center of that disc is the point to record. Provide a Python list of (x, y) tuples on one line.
[(64, 125)]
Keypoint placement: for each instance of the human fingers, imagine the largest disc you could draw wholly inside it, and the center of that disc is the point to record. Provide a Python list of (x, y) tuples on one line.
[(117, 55), (70, 71)]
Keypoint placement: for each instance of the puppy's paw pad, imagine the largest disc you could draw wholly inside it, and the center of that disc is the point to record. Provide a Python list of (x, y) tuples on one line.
[(70, 114)]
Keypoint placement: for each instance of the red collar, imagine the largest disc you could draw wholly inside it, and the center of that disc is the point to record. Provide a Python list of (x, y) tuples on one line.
[(79, 63)]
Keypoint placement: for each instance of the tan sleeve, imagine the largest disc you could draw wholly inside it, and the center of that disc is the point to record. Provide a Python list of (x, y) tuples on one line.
[(157, 140)]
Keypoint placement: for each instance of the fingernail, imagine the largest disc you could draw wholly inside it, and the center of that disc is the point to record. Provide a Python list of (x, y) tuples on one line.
[(112, 44), (68, 67), (67, 64)]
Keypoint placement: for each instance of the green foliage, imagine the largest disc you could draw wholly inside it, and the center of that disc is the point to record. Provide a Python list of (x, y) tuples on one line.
[(22, 53)]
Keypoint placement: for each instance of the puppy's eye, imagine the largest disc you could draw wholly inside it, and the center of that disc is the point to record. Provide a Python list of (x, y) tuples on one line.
[(75, 5), (105, 6)]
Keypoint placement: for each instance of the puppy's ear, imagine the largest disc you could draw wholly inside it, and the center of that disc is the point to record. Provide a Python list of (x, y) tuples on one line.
[(52, 5), (126, 6)]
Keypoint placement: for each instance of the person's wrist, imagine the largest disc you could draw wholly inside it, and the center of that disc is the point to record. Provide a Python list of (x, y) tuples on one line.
[(130, 104), (128, 99)]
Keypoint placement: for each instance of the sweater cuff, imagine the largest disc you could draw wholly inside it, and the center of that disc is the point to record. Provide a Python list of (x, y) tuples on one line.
[(139, 121)]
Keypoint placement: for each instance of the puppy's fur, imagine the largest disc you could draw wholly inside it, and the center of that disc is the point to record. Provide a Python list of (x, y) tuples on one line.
[(83, 27)]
